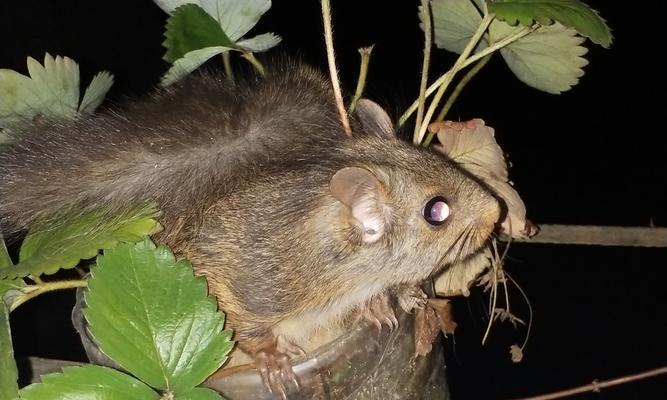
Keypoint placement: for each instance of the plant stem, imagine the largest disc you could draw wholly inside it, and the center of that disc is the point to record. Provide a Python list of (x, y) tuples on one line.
[(495, 47), (255, 62), (428, 35), (226, 61), (452, 72), (363, 71), (32, 291), (331, 59), (499, 45), (460, 86)]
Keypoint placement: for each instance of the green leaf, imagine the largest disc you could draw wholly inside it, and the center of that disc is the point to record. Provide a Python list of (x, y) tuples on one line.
[(260, 43), (95, 92), (63, 241), (88, 382), (19, 99), (571, 13), (198, 394), (58, 84), (151, 315), (191, 28), (9, 388), (51, 90), (9, 289), (191, 61), (549, 59), (235, 17), (454, 23)]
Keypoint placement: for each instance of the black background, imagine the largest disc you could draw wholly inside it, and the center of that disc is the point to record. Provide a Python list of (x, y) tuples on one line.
[(593, 155)]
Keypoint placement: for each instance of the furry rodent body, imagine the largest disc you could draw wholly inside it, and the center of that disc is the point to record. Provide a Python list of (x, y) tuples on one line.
[(253, 181)]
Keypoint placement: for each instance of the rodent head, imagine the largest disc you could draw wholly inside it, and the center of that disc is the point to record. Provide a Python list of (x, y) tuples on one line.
[(409, 207)]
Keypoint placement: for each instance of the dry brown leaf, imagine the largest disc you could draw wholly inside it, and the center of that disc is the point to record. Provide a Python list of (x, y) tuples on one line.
[(427, 328), (472, 144), (457, 279), (516, 353), (505, 315), (443, 311), (436, 317)]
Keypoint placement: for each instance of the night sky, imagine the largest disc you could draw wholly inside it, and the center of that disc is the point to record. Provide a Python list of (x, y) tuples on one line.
[(593, 155)]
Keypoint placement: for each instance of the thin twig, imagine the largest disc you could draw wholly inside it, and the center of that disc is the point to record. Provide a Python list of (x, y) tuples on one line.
[(428, 38), (599, 235), (363, 71), (595, 386), (331, 59)]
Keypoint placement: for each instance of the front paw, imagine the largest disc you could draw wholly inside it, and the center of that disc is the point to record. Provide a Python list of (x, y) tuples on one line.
[(378, 311), (273, 364), (411, 297)]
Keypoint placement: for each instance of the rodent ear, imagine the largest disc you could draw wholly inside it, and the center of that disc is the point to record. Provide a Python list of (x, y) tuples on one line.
[(361, 192), (374, 119)]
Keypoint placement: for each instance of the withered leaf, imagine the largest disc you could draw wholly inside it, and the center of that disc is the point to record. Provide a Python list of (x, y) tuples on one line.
[(427, 328), (436, 317), (457, 279), (443, 311), (473, 146), (516, 353), (505, 315)]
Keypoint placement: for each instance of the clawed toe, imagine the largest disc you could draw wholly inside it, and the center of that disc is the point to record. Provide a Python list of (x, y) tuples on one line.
[(276, 371), (379, 312)]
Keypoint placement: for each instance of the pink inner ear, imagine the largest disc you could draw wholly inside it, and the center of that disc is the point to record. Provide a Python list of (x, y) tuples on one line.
[(366, 212), (359, 190)]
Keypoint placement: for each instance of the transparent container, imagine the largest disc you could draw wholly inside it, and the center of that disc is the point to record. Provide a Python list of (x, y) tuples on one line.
[(360, 364)]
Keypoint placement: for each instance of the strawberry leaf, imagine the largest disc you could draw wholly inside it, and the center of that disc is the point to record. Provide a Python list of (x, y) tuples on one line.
[(549, 59), (571, 13), (88, 382), (8, 373), (189, 62), (151, 315), (95, 92), (235, 17), (62, 242), (191, 28), (51, 90)]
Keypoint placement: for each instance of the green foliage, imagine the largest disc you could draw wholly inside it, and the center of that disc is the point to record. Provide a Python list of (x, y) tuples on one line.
[(191, 28), (8, 372), (199, 394), (88, 382), (51, 90), (153, 317), (62, 242), (10, 289), (197, 32), (570, 13), (454, 23), (550, 58)]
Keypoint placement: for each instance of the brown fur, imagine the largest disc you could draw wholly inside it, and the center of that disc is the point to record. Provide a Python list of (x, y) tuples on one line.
[(241, 174)]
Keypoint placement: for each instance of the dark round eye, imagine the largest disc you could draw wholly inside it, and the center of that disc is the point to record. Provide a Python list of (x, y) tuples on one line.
[(436, 210)]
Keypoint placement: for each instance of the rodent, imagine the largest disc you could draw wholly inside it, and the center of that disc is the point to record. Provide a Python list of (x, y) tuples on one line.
[(295, 225)]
